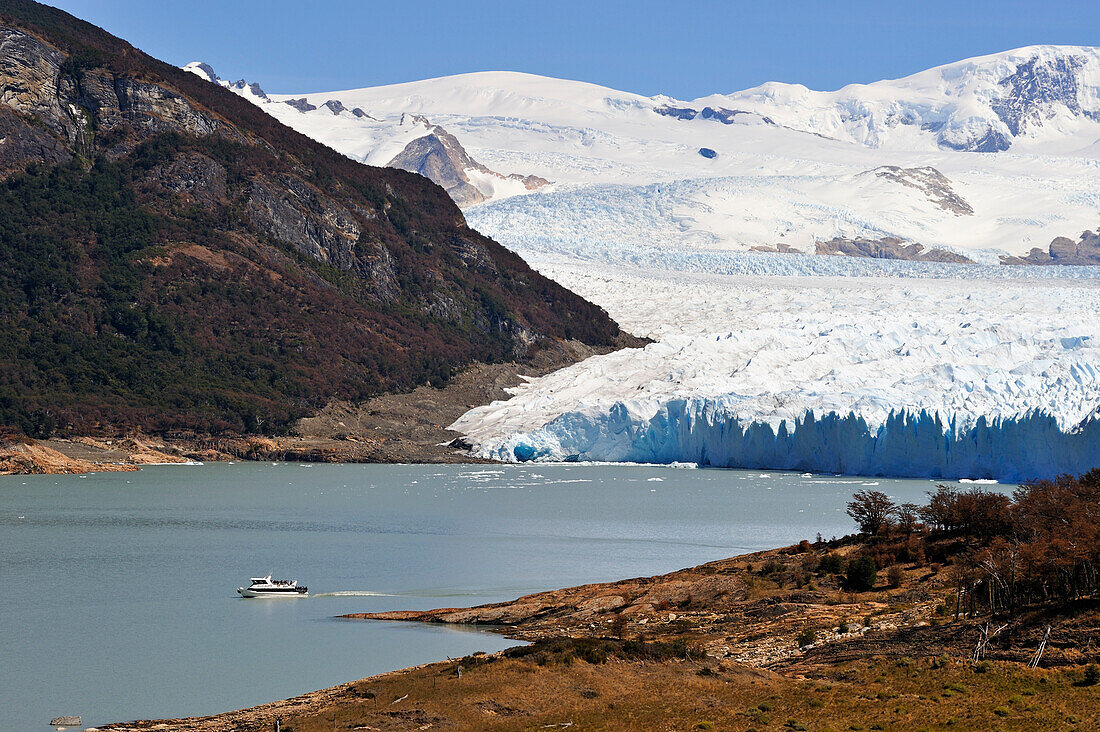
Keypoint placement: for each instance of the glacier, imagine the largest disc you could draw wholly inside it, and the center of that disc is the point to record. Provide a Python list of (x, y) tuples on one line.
[(917, 445), (775, 360), (948, 378)]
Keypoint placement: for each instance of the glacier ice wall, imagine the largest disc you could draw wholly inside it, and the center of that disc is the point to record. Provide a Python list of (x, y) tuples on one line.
[(918, 445), (950, 378)]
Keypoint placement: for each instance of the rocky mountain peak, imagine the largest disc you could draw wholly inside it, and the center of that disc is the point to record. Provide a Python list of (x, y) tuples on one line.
[(202, 70)]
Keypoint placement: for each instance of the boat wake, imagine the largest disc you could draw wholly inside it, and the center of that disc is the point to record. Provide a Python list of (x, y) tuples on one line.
[(354, 593)]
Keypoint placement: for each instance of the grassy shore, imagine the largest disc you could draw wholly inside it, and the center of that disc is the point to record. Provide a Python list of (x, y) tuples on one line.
[(771, 640)]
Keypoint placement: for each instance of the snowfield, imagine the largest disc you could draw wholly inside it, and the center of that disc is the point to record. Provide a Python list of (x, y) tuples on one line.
[(874, 376), (791, 166)]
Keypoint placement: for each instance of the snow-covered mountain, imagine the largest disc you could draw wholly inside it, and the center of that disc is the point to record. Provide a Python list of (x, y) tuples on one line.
[(1033, 98), (774, 168), (853, 363)]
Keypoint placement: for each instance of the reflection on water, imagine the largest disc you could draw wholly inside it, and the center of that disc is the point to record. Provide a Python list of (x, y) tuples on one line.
[(121, 588)]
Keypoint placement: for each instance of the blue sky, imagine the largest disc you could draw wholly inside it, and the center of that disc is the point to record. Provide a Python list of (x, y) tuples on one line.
[(685, 49)]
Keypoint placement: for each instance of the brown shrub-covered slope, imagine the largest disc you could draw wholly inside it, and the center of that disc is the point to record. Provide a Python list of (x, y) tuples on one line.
[(173, 258)]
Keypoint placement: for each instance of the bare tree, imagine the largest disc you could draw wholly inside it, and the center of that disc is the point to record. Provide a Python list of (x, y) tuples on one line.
[(908, 516)]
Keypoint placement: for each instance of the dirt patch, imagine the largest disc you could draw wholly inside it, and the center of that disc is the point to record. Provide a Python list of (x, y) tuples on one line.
[(34, 458)]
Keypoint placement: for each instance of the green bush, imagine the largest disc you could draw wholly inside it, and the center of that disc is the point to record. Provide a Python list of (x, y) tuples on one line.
[(831, 563), (806, 637), (1092, 675), (862, 574)]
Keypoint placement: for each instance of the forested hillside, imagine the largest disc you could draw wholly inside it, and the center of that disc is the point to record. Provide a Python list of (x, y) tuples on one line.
[(172, 257)]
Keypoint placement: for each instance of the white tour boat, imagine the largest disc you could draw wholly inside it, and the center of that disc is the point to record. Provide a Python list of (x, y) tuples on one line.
[(267, 587)]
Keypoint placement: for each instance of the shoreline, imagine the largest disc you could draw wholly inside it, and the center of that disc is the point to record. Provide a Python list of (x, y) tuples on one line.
[(411, 427), (747, 628)]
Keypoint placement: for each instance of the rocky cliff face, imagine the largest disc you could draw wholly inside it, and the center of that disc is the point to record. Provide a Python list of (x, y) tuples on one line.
[(1063, 250), (172, 256)]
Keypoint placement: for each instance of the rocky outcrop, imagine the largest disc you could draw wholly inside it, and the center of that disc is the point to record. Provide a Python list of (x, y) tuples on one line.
[(302, 105), (440, 157), (1035, 90), (718, 114), (1084, 251), (642, 600), (887, 247), (290, 210), (929, 181), (37, 83), (192, 174)]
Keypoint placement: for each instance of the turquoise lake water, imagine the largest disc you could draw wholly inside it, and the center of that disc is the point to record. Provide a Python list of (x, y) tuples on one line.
[(119, 596)]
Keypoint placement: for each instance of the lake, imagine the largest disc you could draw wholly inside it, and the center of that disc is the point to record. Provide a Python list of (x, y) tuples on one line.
[(119, 589)]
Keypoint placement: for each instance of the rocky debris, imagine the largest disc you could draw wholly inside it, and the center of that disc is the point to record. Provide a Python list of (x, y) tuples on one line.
[(1084, 251), (929, 181), (440, 157), (413, 427), (302, 104), (135, 451), (888, 247), (780, 248)]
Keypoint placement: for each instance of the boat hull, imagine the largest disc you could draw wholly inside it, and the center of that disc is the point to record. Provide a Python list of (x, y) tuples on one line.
[(290, 592)]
